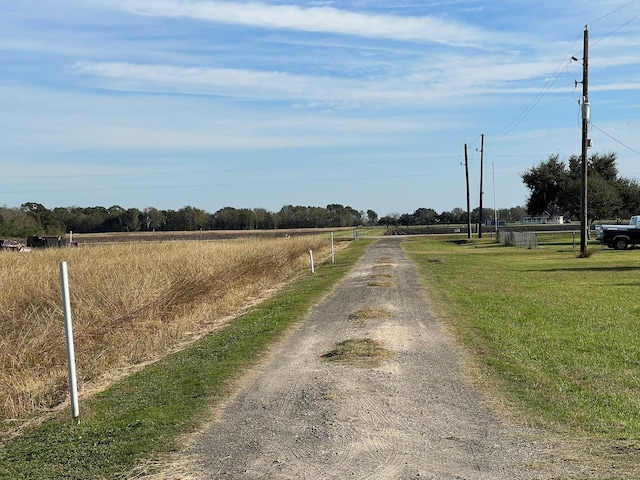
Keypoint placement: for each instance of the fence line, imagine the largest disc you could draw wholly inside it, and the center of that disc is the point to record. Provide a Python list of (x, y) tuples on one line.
[(518, 239)]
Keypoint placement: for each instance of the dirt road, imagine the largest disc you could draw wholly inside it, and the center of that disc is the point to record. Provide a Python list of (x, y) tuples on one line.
[(414, 416)]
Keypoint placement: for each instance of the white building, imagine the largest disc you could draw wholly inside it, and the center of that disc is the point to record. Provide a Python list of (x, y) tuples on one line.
[(543, 219)]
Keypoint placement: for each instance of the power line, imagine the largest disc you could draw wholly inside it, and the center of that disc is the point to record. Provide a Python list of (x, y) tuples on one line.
[(616, 29), (234, 184), (227, 170), (610, 13), (522, 115), (615, 139)]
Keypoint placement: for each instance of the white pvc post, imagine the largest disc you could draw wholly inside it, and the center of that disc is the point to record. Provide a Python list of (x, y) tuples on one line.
[(313, 270), (333, 256), (68, 331)]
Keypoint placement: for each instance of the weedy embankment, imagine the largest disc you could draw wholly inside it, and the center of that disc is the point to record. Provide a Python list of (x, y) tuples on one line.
[(131, 304)]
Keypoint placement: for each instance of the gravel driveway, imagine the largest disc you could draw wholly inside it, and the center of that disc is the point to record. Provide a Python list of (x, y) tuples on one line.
[(302, 416)]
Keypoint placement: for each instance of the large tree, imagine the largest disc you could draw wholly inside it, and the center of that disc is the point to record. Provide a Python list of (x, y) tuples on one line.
[(547, 184), (555, 187)]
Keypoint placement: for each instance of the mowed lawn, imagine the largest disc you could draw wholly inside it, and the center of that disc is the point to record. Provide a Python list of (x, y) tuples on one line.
[(556, 335)]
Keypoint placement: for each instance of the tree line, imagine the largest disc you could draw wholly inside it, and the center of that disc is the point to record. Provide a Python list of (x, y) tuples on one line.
[(555, 187), (35, 219)]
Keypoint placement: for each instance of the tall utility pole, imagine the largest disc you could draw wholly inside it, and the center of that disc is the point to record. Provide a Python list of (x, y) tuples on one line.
[(586, 117), (466, 171), (495, 209), (481, 192)]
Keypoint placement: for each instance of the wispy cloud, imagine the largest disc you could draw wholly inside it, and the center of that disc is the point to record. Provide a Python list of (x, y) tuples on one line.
[(324, 19), (119, 85), (443, 83)]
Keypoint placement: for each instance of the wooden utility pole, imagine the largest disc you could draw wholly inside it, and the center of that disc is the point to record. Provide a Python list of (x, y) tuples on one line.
[(466, 171), (481, 192), (586, 117)]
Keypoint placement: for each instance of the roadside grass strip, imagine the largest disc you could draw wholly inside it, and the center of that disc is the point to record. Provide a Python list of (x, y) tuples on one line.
[(143, 416), (554, 334)]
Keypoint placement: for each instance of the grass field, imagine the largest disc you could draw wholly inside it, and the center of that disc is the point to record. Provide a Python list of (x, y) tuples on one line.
[(557, 336)]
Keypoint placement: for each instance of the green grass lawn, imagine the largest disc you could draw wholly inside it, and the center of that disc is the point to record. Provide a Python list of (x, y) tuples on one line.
[(143, 416), (558, 336)]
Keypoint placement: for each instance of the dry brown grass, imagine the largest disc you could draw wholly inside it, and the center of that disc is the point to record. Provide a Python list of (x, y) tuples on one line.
[(359, 352), (131, 304), (367, 313)]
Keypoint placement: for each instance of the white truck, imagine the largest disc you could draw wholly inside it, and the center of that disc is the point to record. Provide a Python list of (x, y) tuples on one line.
[(619, 236)]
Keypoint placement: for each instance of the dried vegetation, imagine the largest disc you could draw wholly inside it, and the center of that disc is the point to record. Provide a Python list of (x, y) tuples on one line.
[(132, 303), (359, 352)]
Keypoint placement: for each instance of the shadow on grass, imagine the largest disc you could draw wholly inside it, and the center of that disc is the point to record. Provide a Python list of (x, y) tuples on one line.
[(585, 269)]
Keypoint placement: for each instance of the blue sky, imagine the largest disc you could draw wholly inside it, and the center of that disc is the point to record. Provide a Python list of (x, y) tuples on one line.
[(366, 103)]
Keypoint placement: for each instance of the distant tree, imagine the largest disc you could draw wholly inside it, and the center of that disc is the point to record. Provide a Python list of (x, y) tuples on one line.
[(189, 219), (17, 223), (132, 220), (512, 215), (39, 213), (169, 222), (547, 184), (487, 214), (264, 219), (227, 218), (152, 218), (425, 216), (457, 215), (336, 215), (372, 217), (247, 219), (390, 219), (629, 198), (407, 219)]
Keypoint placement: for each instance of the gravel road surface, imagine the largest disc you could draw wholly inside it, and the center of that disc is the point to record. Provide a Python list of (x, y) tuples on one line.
[(302, 416)]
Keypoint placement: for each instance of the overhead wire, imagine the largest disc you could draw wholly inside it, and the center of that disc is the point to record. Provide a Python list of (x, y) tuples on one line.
[(615, 139), (225, 170), (539, 96), (243, 183), (615, 30), (534, 102), (610, 13), (618, 28)]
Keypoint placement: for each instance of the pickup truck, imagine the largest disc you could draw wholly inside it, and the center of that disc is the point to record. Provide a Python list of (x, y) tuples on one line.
[(619, 236)]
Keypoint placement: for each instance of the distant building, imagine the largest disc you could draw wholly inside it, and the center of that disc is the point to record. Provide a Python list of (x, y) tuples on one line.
[(543, 220), (492, 223)]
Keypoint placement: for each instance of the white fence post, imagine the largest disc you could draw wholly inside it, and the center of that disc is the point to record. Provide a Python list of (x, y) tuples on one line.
[(68, 330), (313, 270), (333, 255)]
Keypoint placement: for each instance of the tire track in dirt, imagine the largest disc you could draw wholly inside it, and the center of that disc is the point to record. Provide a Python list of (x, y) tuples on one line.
[(415, 416)]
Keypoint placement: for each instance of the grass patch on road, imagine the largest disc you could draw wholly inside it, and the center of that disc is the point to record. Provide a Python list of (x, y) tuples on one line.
[(359, 352), (556, 335), (143, 416), (367, 313)]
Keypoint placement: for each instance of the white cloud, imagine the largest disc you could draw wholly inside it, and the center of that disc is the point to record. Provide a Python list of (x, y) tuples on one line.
[(445, 83), (252, 84), (313, 19)]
